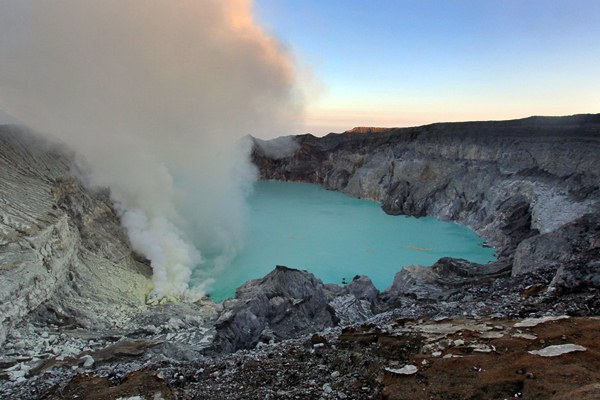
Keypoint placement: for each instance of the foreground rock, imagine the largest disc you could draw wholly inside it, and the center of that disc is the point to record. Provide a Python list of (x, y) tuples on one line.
[(289, 303), (285, 303), (462, 358)]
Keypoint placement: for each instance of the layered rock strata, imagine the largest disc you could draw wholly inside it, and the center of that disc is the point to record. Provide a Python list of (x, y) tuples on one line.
[(63, 253)]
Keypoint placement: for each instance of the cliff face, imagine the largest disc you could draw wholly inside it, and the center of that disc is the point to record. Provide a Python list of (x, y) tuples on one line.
[(63, 252), (511, 181)]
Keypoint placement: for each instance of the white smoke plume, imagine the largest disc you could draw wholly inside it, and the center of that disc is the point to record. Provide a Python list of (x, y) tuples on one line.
[(155, 96), (281, 147)]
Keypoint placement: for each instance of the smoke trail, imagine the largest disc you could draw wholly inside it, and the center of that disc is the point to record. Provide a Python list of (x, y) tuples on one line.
[(155, 95)]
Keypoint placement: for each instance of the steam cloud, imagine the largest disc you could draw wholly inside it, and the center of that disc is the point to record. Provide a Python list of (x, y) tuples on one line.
[(155, 95), (281, 147)]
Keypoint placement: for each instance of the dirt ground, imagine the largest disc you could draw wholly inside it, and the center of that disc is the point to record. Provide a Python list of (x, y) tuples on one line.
[(509, 371), (453, 359)]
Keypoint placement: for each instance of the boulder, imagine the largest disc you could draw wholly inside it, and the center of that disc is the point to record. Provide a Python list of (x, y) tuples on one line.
[(286, 303)]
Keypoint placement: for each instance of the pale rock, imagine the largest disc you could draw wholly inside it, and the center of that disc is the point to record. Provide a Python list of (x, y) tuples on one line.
[(481, 348), (452, 356), (406, 370), (88, 361), (175, 323), (557, 350), (491, 335), (524, 336), (531, 322)]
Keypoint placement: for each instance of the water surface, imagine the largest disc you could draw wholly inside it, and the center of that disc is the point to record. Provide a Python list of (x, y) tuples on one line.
[(335, 236)]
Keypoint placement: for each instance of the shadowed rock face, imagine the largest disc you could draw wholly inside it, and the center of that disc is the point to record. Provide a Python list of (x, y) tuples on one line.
[(285, 303), (524, 185)]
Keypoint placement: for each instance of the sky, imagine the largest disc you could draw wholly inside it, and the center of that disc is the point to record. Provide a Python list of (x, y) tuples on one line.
[(405, 63)]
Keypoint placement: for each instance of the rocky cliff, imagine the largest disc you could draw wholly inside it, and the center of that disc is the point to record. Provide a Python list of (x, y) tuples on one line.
[(524, 185), (67, 272), (63, 252)]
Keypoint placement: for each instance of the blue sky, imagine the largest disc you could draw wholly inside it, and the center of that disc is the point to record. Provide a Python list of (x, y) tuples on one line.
[(402, 63)]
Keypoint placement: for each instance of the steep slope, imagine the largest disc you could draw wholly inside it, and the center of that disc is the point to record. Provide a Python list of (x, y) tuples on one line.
[(63, 252)]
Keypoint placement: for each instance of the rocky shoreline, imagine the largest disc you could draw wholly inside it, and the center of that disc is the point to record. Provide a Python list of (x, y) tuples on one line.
[(530, 187)]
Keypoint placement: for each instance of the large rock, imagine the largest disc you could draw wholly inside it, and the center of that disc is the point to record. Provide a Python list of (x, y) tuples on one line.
[(445, 278), (289, 303), (285, 303), (556, 248)]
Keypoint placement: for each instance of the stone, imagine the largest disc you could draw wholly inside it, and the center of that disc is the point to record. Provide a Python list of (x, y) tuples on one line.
[(532, 290), (175, 323), (491, 335), (557, 350), (531, 322), (524, 336), (301, 307), (88, 361), (443, 279), (406, 370)]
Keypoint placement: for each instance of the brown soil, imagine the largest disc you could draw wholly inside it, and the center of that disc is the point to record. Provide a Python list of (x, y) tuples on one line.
[(92, 387), (456, 359), (510, 371)]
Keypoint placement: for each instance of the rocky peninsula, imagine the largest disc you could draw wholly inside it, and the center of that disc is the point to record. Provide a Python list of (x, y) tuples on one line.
[(75, 321)]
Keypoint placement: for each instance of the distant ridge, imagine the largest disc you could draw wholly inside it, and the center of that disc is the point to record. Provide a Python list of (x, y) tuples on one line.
[(367, 129), (534, 120)]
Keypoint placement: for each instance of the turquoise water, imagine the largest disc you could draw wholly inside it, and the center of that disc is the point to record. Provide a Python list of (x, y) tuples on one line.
[(335, 236)]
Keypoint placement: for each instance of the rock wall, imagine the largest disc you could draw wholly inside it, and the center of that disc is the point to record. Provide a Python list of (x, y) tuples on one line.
[(508, 180), (63, 252)]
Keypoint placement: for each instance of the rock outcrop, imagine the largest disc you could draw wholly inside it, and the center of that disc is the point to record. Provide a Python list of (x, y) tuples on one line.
[(63, 251), (442, 280), (523, 185), (289, 303), (285, 303)]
